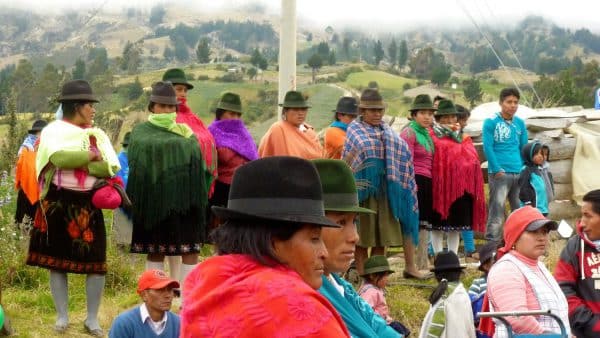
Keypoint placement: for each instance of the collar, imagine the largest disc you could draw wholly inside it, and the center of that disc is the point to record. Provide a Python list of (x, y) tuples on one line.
[(505, 120), (146, 315)]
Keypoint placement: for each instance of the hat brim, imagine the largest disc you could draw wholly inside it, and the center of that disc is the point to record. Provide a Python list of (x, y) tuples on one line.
[(34, 130), (359, 210), (535, 225), (376, 270), (181, 82), (227, 213), (163, 284), (78, 97), (344, 112), (449, 268), (372, 106), (283, 105), (432, 108)]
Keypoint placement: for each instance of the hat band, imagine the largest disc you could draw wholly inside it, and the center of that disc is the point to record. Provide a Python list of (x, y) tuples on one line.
[(340, 200), (277, 206), (365, 103), (164, 98)]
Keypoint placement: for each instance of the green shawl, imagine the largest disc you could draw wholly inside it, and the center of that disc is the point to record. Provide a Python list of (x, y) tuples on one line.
[(422, 136), (166, 175)]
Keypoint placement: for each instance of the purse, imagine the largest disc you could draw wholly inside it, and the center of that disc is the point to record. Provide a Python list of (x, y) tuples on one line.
[(109, 193)]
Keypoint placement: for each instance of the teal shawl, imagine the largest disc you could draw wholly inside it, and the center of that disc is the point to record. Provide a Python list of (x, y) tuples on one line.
[(360, 319), (166, 175)]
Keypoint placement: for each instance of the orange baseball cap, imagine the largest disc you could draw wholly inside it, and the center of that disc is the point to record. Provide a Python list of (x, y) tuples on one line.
[(155, 279)]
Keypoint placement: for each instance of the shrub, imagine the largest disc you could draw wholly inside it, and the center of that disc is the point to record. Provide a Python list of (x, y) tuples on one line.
[(494, 81), (203, 77), (406, 86), (343, 74)]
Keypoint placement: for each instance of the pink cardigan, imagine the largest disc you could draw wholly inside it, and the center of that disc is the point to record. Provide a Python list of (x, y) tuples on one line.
[(509, 290), (374, 296), (422, 160)]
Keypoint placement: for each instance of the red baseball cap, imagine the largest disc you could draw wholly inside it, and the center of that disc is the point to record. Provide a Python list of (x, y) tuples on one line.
[(523, 219), (155, 279)]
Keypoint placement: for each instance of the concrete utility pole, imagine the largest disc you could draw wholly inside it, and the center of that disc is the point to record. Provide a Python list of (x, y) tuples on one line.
[(287, 50)]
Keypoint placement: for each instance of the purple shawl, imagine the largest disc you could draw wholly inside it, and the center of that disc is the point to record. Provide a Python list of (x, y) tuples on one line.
[(233, 134)]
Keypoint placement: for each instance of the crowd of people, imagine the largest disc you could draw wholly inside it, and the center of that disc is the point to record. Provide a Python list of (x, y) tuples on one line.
[(288, 217)]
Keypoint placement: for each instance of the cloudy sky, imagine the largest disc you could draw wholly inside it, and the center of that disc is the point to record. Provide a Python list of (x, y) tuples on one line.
[(374, 14)]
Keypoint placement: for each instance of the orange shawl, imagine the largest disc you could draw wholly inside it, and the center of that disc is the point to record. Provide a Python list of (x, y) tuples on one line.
[(25, 175), (284, 139), (334, 142), (234, 296)]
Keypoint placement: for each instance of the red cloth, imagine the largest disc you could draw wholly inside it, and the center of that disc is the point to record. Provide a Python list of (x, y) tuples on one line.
[(205, 139), (229, 161), (234, 296), (456, 171)]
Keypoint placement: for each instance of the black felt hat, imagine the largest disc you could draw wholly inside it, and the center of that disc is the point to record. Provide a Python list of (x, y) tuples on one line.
[(278, 188), (347, 105), (446, 261), (77, 90), (38, 125)]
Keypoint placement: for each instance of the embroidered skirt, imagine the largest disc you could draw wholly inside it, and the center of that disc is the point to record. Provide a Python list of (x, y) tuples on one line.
[(459, 218), (425, 198), (177, 235), (68, 233)]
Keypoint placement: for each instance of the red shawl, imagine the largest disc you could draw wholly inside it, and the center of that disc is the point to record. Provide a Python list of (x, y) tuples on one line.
[(234, 296), (456, 171), (205, 139)]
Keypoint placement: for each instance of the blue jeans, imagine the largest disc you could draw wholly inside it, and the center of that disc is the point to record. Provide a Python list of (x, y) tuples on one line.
[(506, 186)]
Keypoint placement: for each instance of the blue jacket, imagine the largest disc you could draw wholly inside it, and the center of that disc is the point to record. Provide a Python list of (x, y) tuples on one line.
[(129, 325), (359, 317), (536, 187), (124, 172), (502, 144)]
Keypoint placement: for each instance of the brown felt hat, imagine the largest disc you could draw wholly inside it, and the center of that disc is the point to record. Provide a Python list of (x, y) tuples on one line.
[(164, 93), (370, 98), (77, 90)]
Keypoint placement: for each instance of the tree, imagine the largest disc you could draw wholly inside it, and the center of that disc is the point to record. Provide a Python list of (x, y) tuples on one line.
[(472, 91), (378, 51), (169, 54), (323, 50), (23, 81), (99, 62), (79, 70), (203, 51), (331, 58), (309, 37), (10, 147), (44, 89), (132, 56), (402, 54), (258, 60), (135, 90), (393, 52), (157, 14), (181, 50), (251, 72), (440, 74), (315, 63), (346, 46)]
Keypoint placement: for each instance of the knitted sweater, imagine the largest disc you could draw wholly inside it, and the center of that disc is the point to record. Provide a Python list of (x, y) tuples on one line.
[(129, 325)]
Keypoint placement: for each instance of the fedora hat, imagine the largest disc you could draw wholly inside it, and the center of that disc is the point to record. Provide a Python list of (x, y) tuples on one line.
[(339, 186), (422, 102), (446, 261), (446, 107), (176, 76), (230, 102), (375, 264), (278, 188), (38, 125), (77, 90), (294, 99), (370, 98), (164, 93), (347, 105)]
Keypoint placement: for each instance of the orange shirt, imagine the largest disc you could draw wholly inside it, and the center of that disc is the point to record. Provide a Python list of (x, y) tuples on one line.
[(285, 139)]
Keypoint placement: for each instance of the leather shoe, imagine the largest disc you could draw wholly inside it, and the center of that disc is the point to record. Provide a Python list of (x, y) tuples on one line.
[(93, 332)]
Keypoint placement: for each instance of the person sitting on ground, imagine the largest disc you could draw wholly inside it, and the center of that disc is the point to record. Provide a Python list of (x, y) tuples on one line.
[(345, 112), (519, 281), (341, 207), (26, 184), (291, 136), (450, 312), (577, 270), (376, 276), (478, 287), (270, 259), (153, 318), (536, 187)]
